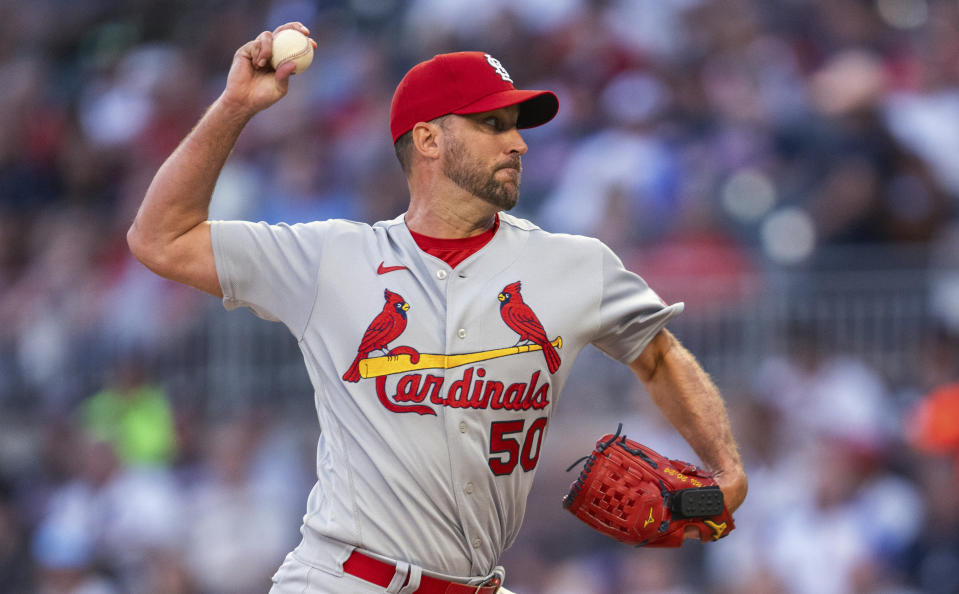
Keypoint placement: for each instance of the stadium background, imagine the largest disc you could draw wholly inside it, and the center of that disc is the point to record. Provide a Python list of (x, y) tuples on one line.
[(788, 168)]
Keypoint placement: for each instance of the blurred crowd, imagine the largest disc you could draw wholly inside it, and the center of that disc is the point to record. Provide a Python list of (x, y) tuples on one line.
[(712, 140)]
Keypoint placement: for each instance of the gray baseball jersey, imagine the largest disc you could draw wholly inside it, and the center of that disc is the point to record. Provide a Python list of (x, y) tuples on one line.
[(433, 386)]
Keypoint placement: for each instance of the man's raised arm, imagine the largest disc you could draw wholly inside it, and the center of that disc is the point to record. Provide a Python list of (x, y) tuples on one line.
[(171, 234)]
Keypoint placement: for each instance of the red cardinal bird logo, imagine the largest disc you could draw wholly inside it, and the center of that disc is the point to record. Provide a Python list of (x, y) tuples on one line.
[(385, 328), (521, 319)]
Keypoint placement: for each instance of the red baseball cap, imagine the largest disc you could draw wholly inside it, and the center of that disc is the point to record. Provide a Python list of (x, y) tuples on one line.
[(462, 83)]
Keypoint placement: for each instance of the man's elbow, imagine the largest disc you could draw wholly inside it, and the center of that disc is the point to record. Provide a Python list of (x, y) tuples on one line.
[(652, 359), (137, 243), (186, 258), (148, 253)]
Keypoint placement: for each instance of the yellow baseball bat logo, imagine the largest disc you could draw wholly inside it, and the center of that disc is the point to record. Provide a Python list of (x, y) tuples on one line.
[(401, 363)]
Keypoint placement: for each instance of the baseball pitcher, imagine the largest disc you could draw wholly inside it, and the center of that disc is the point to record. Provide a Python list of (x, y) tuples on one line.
[(438, 342)]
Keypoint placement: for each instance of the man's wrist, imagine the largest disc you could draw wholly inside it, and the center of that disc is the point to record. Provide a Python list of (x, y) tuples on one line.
[(230, 110), (734, 485)]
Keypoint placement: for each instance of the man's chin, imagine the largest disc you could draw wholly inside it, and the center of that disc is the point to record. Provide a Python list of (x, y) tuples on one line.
[(502, 202)]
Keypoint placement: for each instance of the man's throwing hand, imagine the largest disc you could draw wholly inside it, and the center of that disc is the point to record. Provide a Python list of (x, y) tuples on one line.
[(252, 84)]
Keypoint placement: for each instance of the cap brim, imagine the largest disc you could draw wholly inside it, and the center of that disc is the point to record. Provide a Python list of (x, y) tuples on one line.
[(535, 107)]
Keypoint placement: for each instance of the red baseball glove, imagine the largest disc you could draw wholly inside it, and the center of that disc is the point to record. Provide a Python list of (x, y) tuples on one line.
[(633, 494)]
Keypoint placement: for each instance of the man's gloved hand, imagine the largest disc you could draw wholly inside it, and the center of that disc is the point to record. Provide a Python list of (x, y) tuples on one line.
[(641, 498)]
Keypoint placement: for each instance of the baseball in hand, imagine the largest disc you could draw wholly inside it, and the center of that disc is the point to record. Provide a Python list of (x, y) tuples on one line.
[(290, 44)]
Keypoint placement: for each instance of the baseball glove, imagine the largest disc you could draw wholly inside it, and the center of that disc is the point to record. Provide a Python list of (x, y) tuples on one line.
[(635, 495)]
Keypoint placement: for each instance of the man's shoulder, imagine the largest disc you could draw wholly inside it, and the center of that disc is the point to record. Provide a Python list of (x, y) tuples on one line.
[(344, 225), (335, 227), (514, 224), (343, 229), (305, 226), (307, 234)]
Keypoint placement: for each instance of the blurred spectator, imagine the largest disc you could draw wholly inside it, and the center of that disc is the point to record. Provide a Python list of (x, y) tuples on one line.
[(66, 561), (630, 192), (830, 418), (824, 394), (49, 307), (873, 188), (945, 277), (745, 564), (939, 356), (133, 415), (935, 556), (933, 425), (699, 265), (15, 574), (850, 530), (239, 531), (111, 517)]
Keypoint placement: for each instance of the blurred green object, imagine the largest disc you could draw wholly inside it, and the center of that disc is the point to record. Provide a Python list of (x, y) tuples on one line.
[(136, 420)]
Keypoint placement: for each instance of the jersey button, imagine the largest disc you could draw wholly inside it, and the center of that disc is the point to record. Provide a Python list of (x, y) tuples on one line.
[(462, 426), (476, 543), (468, 488), (441, 274), (461, 332)]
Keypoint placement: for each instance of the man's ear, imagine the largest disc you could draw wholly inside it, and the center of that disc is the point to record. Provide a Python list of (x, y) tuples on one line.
[(426, 139)]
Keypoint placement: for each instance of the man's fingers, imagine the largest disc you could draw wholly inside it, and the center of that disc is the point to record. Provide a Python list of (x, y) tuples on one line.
[(263, 49), (294, 25), (260, 50), (285, 70)]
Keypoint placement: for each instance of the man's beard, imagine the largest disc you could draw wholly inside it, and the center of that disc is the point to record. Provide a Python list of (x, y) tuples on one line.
[(464, 171)]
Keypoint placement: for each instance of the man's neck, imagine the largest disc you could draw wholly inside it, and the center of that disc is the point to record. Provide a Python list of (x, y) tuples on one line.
[(450, 217)]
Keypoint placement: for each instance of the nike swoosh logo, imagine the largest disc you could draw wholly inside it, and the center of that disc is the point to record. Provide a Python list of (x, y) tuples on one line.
[(384, 269)]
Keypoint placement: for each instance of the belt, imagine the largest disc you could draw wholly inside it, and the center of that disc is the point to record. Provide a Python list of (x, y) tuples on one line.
[(381, 573)]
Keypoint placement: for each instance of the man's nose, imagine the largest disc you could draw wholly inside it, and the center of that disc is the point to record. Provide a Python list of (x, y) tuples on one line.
[(516, 143)]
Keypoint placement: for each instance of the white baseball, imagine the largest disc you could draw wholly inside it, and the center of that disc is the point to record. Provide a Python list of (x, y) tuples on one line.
[(290, 44)]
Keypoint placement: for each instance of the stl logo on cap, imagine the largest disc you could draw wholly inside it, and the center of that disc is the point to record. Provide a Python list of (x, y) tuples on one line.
[(464, 83), (498, 67)]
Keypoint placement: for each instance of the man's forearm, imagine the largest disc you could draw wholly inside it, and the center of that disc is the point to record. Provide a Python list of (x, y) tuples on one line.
[(171, 235), (691, 402), (178, 199)]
